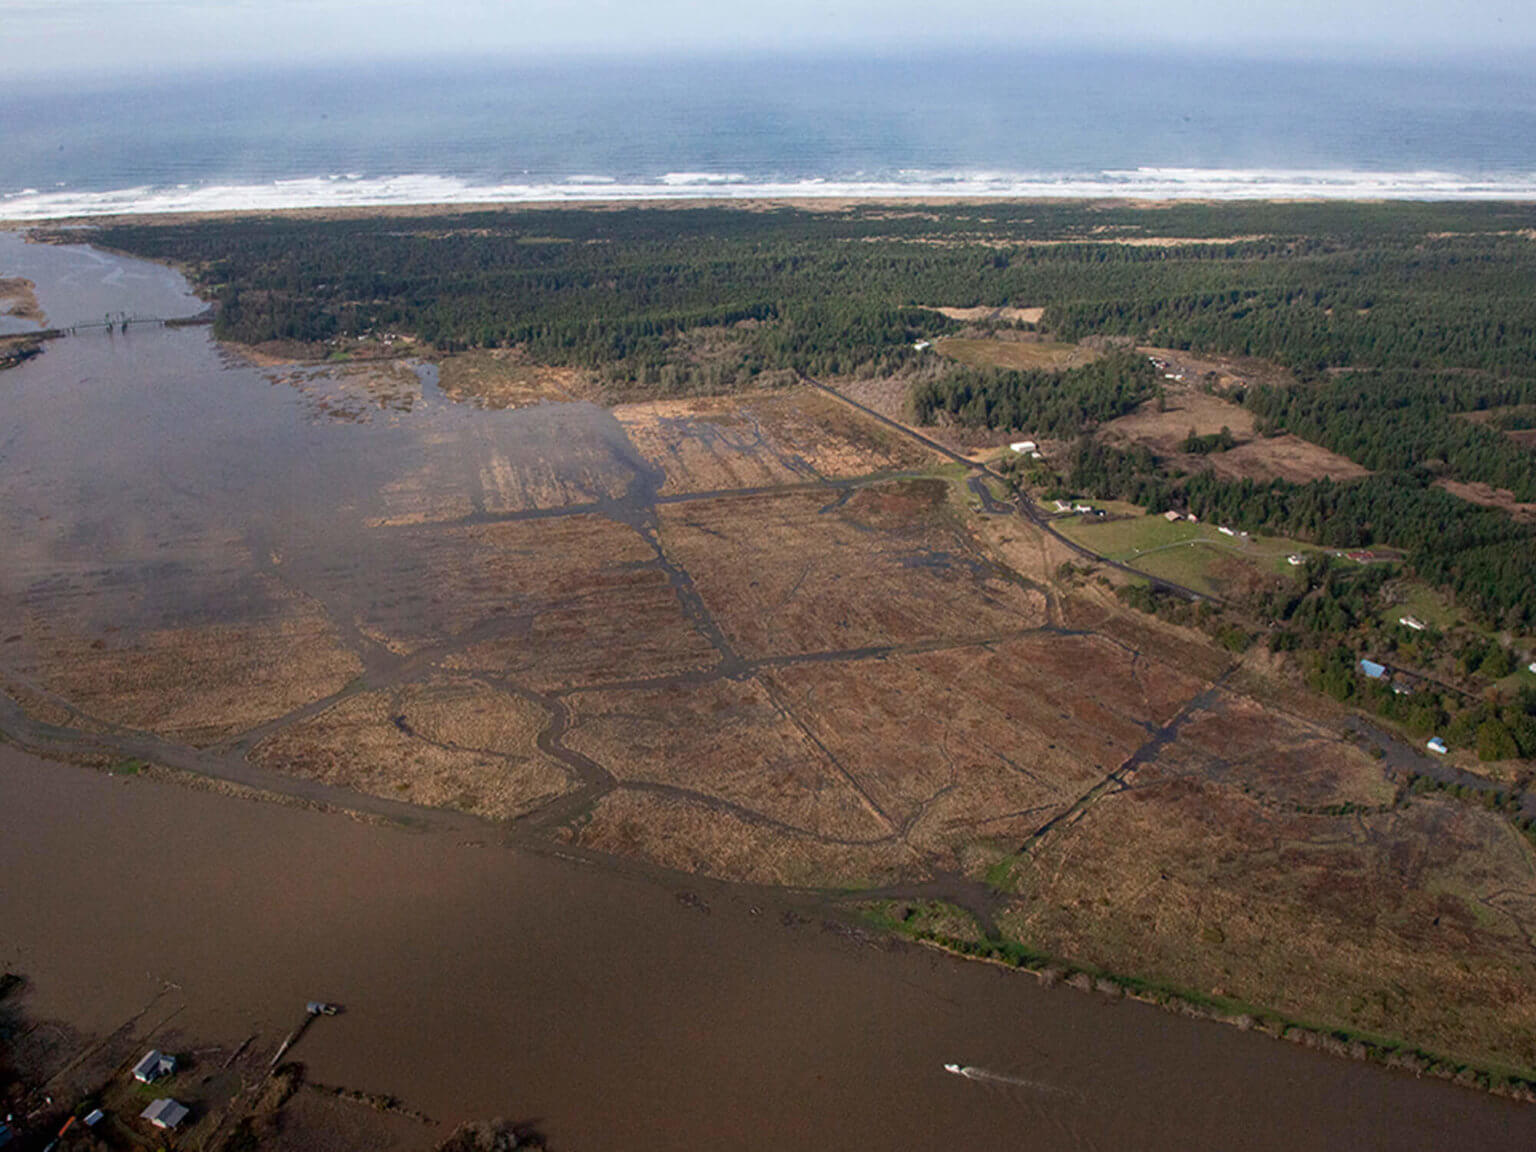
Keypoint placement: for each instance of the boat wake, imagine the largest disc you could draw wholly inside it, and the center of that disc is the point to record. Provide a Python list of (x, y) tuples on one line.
[(981, 1075)]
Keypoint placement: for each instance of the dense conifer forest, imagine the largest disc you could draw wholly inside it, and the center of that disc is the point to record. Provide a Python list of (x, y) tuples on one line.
[(1409, 330)]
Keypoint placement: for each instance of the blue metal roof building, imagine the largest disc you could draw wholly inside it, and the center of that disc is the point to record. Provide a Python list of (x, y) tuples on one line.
[(1372, 669)]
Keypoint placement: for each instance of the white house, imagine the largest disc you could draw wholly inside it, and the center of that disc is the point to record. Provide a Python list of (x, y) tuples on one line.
[(1437, 746), (1411, 622), (921, 344), (1294, 560), (1022, 446), (1226, 531)]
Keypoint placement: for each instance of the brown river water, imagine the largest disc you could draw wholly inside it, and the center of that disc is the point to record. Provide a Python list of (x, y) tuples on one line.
[(620, 1008)]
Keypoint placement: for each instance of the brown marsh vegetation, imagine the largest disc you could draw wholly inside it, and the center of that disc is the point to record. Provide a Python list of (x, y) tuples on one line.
[(763, 638)]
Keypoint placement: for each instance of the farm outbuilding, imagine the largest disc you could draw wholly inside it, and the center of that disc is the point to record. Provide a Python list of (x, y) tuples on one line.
[(1372, 669), (154, 1065), (165, 1113)]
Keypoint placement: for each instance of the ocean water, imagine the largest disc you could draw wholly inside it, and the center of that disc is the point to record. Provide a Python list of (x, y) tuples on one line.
[(1003, 124)]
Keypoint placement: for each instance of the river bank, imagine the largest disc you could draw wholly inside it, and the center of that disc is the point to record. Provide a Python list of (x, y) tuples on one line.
[(480, 981)]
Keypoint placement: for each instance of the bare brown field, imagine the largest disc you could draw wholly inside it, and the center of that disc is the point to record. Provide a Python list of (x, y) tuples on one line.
[(982, 313), (1280, 758), (1187, 408), (1284, 458), (507, 378), (1408, 921), (801, 572), (473, 751), (1490, 497), (1184, 408), (728, 740), (1020, 355), (18, 298), (691, 836), (982, 744), (762, 439), (198, 684), (1525, 437), (566, 601)]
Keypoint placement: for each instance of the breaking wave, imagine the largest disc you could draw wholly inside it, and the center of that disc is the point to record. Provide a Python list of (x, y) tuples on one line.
[(355, 191)]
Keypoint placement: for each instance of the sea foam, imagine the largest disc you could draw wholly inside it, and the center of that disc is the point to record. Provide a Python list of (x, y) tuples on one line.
[(354, 191)]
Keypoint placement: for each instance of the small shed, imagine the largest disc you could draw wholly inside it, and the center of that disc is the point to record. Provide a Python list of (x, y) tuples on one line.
[(1437, 745), (1411, 622), (1225, 531), (1372, 669), (154, 1065), (1294, 560), (1023, 446), (1171, 516), (921, 345), (165, 1113)]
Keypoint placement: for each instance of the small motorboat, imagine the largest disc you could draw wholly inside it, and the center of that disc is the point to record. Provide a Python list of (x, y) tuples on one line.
[(957, 1069)]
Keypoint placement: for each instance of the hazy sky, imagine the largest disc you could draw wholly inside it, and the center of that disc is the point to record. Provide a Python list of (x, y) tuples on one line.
[(61, 36)]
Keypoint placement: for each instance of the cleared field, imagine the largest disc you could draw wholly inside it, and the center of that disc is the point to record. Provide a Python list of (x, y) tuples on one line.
[(727, 740), (448, 744), (1186, 409), (1198, 556), (1283, 458), (1275, 756), (1490, 497), (1413, 920), (977, 746), (983, 313), (693, 836), (802, 572), (197, 683), (762, 439), (1424, 603), (507, 378), (1015, 354)]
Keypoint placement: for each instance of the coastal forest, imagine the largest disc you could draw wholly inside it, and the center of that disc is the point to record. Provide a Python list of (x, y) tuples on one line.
[(1407, 334)]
